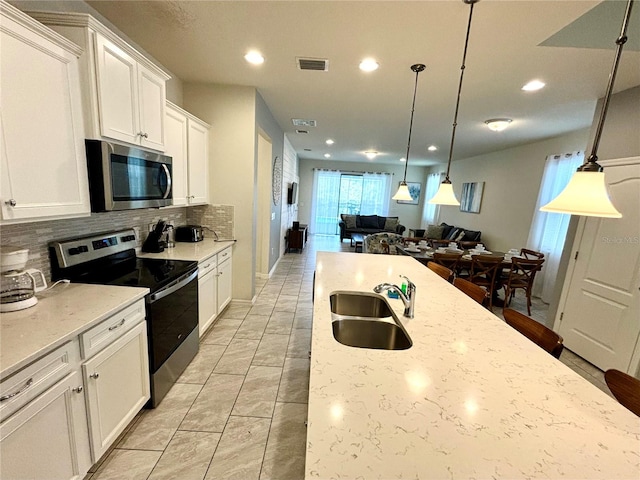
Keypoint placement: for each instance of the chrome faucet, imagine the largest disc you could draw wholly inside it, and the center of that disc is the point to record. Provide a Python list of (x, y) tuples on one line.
[(408, 299)]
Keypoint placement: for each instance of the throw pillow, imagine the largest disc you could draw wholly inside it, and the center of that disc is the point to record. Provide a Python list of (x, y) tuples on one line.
[(435, 232), (349, 221), (452, 234), (460, 236), (446, 231), (390, 224), (471, 236), (369, 221)]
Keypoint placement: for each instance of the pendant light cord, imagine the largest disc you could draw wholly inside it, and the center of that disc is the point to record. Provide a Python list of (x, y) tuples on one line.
[(591, 164), (416, 68), (455, 116)]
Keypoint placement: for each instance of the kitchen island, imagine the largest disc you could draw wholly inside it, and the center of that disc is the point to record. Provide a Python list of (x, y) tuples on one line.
[(471, 398)]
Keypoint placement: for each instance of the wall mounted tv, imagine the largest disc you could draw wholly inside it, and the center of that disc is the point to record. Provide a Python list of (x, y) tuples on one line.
[(292, 196)]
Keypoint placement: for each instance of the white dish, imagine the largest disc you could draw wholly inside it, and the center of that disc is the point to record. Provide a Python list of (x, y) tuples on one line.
[(413, 250)]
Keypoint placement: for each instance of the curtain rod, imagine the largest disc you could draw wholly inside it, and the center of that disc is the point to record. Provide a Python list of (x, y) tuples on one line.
[(348, 172)]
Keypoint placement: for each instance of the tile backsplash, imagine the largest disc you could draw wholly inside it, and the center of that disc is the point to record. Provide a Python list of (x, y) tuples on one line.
[(37, 235)]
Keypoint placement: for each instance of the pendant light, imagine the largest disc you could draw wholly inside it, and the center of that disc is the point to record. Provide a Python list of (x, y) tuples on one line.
[(403, 190), (586, 193), (445, 195)]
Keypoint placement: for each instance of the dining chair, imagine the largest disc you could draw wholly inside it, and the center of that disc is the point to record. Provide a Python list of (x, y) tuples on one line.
[(449, 260), (521, 275), (625, 388), (531, 254), (476, 292), (542, 336), (484, 272), (441, 270)]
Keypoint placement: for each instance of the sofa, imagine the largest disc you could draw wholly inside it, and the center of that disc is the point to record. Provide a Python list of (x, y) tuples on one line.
[(368, 224), (443, 234)]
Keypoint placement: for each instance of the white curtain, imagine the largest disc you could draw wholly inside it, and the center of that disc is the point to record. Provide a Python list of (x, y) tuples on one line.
[(324, 207), (376, 191), (549, 230), (431, 211)]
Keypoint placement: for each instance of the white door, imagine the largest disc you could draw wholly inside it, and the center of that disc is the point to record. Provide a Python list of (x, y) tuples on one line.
[(176, 147), (198, 139), (599, 314), (151, 94)]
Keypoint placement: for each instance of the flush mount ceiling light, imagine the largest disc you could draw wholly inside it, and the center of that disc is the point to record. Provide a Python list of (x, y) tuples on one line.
[(533, 85), (368, 65), (445, 195), (329, 141), (371, 154), (432, 148), (498, 124), (254, 57), (403, 190), (587, 194), (327, 155)]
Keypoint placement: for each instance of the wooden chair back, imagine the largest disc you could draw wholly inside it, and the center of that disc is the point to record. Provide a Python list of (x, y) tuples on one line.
[(449, 260), (521, 275), (476, 292), (544, 337), (484, 270), (441, 270), (531, 254), (625, 388)]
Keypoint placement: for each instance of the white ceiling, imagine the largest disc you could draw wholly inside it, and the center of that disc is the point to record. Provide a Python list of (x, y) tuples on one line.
[(205, 41)]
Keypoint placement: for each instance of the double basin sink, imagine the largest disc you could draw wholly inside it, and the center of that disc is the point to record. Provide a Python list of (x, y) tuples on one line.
[(365, 320)]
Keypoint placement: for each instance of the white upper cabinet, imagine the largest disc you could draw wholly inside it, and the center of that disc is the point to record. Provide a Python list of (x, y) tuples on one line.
[(124, 92), (187, 142), (43, 171)]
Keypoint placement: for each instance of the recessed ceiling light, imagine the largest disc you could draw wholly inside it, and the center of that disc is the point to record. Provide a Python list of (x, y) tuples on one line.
[(533, 85), (329, 141), (432, 148), (254, 57), (327, 155), (498, 124), (403, 159), (369, 65), (371, 154)]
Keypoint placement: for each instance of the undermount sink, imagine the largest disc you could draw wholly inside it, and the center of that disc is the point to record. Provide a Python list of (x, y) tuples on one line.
[(355, 332), (365, 320), (359, 304)]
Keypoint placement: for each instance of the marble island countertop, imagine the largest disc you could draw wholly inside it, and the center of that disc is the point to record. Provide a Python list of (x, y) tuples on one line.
[(61, 313), (192, 251), (472, 398)]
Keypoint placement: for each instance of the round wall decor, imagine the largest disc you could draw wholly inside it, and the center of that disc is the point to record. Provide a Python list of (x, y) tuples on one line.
[(276, 182)]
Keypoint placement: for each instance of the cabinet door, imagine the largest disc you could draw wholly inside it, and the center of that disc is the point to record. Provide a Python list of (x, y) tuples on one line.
[(48, 437), (198, 137), (152, 98), (175, 136), (117, 92), (224, 284), (117, 384), (207, 300), (43, 168)]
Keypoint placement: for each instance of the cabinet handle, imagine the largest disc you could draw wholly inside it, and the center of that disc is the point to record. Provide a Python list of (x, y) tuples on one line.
[(78, 389), (22, 389), (11, 203), (145, 135), (117, 326), (94, 375), (207, 265)]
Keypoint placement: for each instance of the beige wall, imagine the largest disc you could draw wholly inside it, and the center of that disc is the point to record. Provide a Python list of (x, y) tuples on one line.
[(230, 110), (512, 180), (408, 215)]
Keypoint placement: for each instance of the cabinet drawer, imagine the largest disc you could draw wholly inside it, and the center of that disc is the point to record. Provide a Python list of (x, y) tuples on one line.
[(98, 337), (224, 255), (206, 266), (31, 381)]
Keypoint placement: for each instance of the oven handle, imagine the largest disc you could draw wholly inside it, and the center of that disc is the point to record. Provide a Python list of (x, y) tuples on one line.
[(166, 172), (172, 287)]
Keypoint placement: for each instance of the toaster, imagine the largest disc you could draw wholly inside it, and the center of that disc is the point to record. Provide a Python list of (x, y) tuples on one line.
[(189, 233)]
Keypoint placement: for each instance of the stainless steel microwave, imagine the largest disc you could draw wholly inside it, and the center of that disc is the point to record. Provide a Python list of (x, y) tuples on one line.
[(124, 178)]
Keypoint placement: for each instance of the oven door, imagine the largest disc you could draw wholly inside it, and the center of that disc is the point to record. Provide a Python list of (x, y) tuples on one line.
[(172, 314)]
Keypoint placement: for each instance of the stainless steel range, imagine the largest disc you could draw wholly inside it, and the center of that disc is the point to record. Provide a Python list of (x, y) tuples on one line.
[(171, 306)]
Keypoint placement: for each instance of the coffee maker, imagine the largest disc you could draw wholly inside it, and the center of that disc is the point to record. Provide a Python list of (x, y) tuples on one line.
[(18, 286)]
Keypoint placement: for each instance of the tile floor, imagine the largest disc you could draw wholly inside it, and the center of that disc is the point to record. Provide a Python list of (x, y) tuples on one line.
[(239, 410)]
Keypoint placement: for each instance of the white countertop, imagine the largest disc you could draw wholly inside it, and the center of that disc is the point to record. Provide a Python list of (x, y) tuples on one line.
[(192, 251), (472, 398), (60, 314)]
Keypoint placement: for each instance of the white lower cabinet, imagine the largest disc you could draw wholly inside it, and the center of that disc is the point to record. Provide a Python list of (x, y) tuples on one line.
[(207, 293), (224, 279), (117, 385), (48, 437)]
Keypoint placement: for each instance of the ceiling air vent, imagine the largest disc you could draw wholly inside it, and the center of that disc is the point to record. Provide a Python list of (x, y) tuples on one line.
[(302, 131), (301, 122), (318, 64)]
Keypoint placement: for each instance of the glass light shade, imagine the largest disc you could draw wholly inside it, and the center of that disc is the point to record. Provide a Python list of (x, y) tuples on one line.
[(402, 193), (445, 195), (586, 194), (498, 124)]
